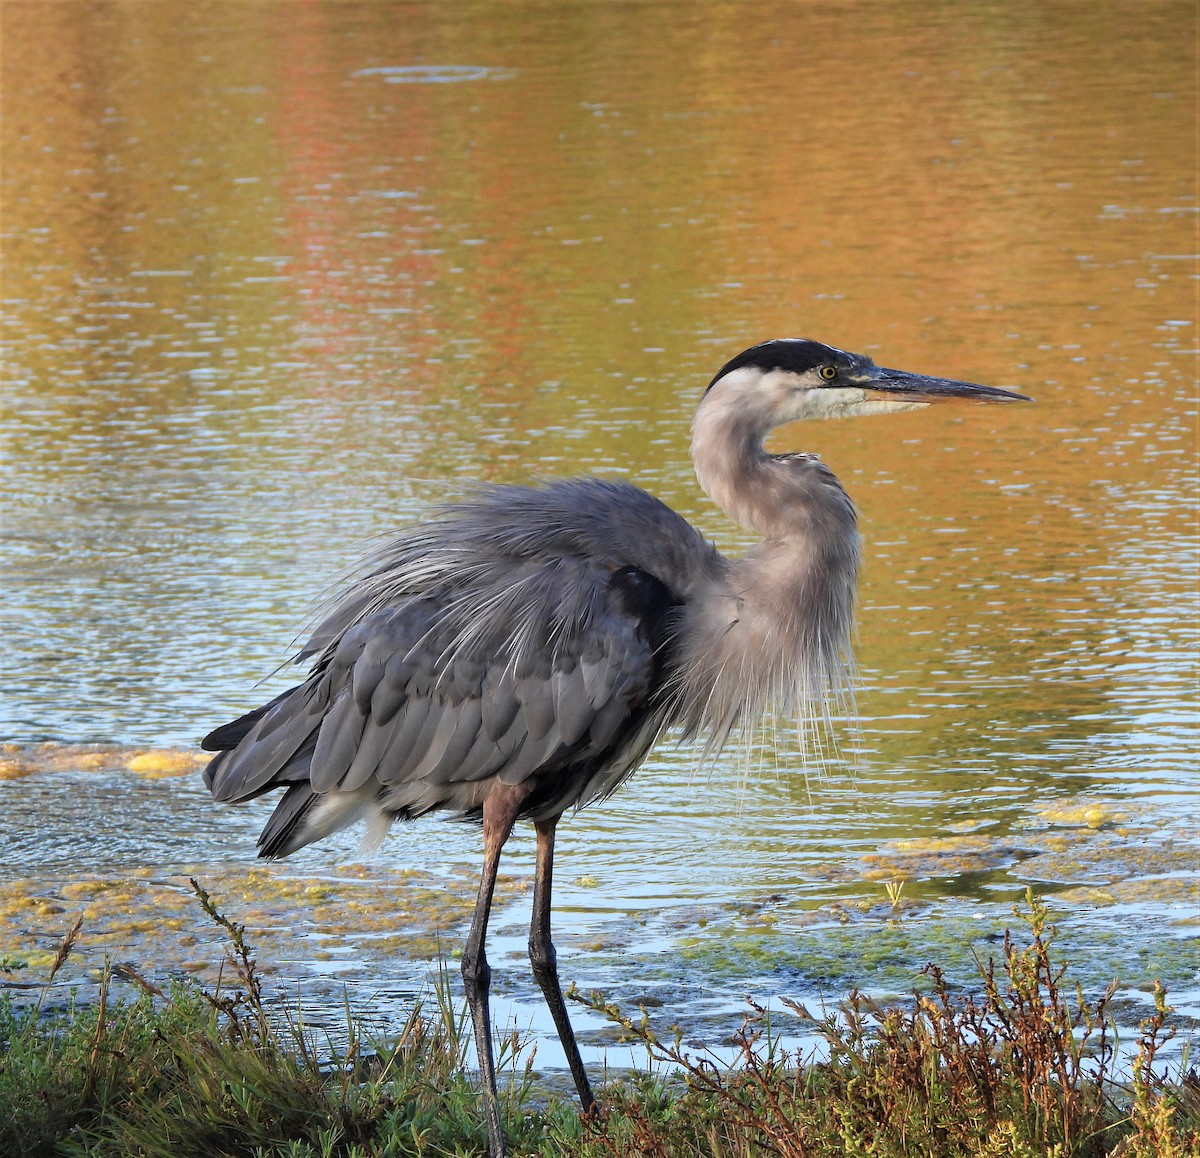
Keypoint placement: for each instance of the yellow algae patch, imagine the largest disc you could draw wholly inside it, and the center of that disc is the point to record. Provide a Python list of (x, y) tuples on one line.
[(11, 769), (1164, 869), (155, 924), (75, 757), (1092, 814), (1086, 895), (20, 960), (77, 890), (1157, 890), (939, 856), (95, 761), (969, 825), (162, 763), (27, 759)]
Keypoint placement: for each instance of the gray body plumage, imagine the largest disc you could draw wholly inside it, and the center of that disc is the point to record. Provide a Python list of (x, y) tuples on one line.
[(522, 635), (529, 634), (518, 655)]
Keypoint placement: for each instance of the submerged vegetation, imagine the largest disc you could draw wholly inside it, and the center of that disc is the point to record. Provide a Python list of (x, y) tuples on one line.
[(1024, 1067)]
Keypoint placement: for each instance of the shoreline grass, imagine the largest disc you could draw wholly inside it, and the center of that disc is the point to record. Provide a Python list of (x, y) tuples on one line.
[(1023, 1067)]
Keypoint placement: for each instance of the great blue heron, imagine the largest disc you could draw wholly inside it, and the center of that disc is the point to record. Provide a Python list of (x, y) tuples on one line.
[(518, 655)]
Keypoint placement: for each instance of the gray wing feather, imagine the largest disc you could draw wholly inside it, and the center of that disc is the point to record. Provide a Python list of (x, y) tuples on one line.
[(491, 642), (595, 674), (464, 717), (297, 800), (608, 722), (398, 763), (391, 693), (376, 740), (532, 756), (509, 744), (416, 712), (499, 703), (452, 719), (573, 708), (338, 741), (267, 748), (370, 669), (483, 758), (444, 765), (537, 706)]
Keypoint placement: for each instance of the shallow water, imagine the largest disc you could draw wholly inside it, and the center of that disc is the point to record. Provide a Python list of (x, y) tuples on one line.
[(278, 276)]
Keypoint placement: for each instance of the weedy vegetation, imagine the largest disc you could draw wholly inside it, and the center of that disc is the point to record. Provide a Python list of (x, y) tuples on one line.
[(1023, 1068)]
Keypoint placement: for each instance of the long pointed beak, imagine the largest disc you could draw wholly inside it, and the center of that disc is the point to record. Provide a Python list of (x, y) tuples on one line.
[(922, 388)]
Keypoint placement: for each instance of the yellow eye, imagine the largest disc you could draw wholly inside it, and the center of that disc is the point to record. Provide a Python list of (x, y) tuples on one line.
[(829, 373)]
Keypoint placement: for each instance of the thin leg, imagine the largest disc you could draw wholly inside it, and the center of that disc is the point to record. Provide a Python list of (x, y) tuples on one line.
[(499, 813), (544, 959)]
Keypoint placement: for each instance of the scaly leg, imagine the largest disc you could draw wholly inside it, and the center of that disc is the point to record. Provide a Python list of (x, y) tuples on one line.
[(545, 961), (499, 813)]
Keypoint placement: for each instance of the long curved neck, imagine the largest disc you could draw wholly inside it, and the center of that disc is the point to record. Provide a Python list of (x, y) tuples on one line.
[(781, 497), (776, 627)]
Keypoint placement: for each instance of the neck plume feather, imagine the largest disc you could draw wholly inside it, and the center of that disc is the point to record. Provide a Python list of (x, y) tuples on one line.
[(772, 631)]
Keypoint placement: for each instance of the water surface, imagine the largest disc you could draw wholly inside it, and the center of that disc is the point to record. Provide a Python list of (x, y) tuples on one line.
[(279, 276)]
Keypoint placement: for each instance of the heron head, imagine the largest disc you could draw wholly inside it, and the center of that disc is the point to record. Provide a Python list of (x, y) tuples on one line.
[(787, 379)]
